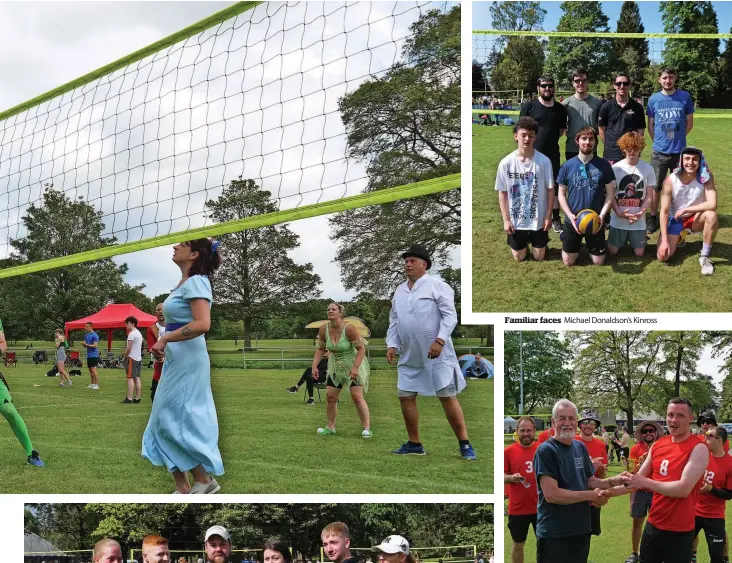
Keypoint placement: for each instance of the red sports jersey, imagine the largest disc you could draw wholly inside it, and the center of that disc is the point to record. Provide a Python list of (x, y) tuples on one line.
[(719, 475), (596, 448), (638, 455), (703, 438), (668, 460), (518, 459), (545, 435)]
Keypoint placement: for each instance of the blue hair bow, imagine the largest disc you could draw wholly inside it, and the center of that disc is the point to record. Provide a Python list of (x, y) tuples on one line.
[(215, 246)]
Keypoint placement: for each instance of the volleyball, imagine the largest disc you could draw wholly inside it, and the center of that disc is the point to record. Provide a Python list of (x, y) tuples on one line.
[(587, 221)]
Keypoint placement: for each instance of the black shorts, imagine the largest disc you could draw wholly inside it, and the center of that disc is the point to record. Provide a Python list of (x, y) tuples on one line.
[(571, 241), (555, 168), (715, 534), (595, 520), (519, 524), (569, 549), (519, 240), (329, 383), (661, 546), (92, 362)]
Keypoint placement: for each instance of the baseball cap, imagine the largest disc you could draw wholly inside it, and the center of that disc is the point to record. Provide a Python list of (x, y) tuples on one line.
[(217, 531), (392, 545)]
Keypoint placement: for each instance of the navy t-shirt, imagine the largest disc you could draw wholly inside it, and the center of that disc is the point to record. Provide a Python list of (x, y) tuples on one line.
[(571, 467), (91, 338), (586, 190)]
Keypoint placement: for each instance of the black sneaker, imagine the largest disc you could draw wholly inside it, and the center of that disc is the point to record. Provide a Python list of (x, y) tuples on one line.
[(135, 400), (292, 390), (310, 402), (652, 224), (557, 225), (632, 558), (126, 401)]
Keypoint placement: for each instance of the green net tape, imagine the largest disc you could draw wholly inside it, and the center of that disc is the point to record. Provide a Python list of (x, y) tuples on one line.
[(379, 197), (603, 34)]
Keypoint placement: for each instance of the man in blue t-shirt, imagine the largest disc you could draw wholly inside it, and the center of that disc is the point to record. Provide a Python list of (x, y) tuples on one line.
[(91, 343), (585, 182), (567, 487), (670, 119)]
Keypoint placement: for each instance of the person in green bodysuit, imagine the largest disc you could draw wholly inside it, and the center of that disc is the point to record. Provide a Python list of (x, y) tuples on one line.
[(347, 367), (7, 409)]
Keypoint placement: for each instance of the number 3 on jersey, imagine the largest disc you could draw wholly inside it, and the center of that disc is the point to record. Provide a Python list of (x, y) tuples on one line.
[(529, 467), (663, 470)]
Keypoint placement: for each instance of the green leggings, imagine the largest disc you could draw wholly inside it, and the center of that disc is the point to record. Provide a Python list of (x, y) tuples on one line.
[(7, 409)]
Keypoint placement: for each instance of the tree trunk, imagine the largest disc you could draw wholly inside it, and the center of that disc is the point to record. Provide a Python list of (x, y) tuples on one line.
[(247, 333), (677, 383)]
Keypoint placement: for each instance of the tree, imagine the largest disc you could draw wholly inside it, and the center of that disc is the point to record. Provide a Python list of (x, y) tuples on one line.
[(547, 376), (60, 227), (517, 16), (695, 60), (520, 64), (479, 81), (681, 353), (256, 277), (67, 525), (564, 54), (725, 75), (406, 126), (632, 54), (616, 369)]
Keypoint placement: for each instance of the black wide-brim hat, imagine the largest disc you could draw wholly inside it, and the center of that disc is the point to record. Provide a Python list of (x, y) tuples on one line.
[(419, 252)]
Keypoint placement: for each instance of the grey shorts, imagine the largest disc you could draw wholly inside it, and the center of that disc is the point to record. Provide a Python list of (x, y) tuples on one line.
[(449, 391), (618, 238), (60, 354), (134, 369), (640, 503), (663, 164)]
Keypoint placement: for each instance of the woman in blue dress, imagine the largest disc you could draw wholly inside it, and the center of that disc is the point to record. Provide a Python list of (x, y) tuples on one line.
[(183, 431)]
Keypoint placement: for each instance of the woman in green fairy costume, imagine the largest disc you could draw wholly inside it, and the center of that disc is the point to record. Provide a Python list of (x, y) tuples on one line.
[(347, 367), (7, 410)]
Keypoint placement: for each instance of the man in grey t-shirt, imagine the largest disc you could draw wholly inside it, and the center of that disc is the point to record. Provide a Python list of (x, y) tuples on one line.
[(582, 111)]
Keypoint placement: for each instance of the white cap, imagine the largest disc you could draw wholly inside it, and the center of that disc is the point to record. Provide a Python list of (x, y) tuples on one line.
[(392, 545), (217, 531)]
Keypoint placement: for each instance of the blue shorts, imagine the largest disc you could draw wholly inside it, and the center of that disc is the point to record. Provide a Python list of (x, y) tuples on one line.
[(675, 226)]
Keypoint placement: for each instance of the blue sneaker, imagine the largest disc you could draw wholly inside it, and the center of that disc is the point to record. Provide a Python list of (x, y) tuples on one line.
[(409, 449), (468, 452), (35, 459)]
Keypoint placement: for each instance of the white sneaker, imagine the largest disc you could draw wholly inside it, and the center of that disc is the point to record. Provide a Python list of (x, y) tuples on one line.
[(90, 386), (205, 488), (366, 433), (95, 386), (707, 268), (70, 383)]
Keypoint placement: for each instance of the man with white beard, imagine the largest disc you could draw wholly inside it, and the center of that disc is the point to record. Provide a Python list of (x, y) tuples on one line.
[(567, 489), (218, 545)]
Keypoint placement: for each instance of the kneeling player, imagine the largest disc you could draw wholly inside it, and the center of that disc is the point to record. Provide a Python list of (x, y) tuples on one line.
[(585, 182), (525, 187), (635, 181), (714, 494), (688, 205)]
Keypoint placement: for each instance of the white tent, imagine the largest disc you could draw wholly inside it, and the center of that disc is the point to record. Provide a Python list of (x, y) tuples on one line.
[(509, 425)]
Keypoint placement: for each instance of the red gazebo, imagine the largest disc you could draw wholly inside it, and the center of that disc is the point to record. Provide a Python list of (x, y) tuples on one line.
[(111, 317)]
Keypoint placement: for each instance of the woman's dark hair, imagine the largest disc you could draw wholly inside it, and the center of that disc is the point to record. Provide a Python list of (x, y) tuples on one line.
[(279, 546), (208, 259)]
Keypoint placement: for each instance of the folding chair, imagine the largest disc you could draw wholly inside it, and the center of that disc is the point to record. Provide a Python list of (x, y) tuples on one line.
[(317, 387), (10, 359)]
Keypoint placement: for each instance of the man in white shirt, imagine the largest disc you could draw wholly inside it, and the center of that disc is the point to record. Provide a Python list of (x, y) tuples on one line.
[(133, 355), (421, 320), (525, 186)]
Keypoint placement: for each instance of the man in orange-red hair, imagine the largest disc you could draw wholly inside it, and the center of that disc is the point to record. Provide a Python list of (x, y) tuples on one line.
[(155, 549)]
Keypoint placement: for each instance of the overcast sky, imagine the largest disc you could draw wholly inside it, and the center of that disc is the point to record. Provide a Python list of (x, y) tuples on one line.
[(43, 45)]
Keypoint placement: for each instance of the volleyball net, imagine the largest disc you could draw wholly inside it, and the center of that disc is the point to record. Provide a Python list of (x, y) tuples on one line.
[(253, 92)]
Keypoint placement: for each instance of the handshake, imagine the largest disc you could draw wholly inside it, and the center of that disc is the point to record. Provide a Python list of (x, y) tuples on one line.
[(626, 480)]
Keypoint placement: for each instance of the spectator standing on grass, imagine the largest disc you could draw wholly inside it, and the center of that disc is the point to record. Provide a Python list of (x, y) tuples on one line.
[(133, 361), (91, 343), (61, 346), (154, 332)]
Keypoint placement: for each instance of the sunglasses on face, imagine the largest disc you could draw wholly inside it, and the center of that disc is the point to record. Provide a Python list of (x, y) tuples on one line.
[(622, 84), (710, 434), (706, 421), (580, 81), (648, 431), (546, 86)]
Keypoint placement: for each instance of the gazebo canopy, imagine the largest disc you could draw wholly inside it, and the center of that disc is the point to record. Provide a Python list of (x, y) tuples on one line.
[(111, 317)]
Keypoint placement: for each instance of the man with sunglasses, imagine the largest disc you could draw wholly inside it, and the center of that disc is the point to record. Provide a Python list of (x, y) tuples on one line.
[(585, 182), (708, 421), (618, 116), (582, 111), (670, 119), (552, 119), (713, 496), (646, 433), (520, 481), (589, 420), (689, 205)]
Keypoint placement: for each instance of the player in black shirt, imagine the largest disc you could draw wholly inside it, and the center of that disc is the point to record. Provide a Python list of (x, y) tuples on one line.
[(618, 116), (552, 119)]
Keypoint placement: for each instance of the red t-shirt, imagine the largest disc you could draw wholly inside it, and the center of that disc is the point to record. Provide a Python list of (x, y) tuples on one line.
[(719, 475), (545, 435), (638, 455), (518, 459), (151, 341), (596, 448), (668, 460)]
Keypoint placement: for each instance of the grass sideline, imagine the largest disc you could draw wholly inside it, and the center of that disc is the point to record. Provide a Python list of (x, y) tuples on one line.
[(625, 283), (91, 443), (613, 544)]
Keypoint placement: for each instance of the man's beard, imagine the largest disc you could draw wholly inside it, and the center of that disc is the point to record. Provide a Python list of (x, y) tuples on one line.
[(566, 433), (587, 151), (219, 559), (547, 97), (526, 441)]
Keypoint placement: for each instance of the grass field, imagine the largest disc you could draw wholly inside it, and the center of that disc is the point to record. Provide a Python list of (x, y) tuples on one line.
[(91, 443), (625, 283), (613, 545)]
